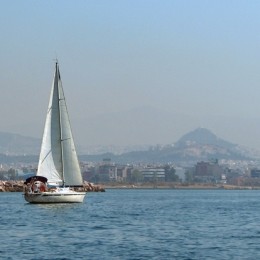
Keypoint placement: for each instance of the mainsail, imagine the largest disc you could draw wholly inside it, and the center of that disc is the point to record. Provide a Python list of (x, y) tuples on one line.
[(58, 159)]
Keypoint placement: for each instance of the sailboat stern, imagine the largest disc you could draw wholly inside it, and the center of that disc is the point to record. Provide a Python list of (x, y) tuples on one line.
[(36, 191)]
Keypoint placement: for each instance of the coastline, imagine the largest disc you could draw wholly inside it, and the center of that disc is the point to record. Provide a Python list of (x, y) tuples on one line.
[(182, 187), (18, 186)]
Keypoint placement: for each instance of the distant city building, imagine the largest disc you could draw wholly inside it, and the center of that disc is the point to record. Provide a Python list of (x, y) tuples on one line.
[(152, 174), (223, 179), (123, 172), (255, 173), (208, 172), (107, 172)]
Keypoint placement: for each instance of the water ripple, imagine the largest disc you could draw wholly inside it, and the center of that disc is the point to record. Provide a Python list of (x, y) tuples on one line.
[(134, 224)]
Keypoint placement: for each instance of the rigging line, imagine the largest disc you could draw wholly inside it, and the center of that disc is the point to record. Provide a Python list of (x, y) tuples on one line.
[(45, 156), (65, 139), (50, 108)]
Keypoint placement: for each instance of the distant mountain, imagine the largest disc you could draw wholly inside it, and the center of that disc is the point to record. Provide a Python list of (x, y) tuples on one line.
[(15, 144), (197, 145), (18, 145), (202, 136)]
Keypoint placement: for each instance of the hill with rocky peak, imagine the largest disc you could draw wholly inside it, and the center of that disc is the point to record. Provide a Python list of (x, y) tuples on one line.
[(202, 136), (198, 145)]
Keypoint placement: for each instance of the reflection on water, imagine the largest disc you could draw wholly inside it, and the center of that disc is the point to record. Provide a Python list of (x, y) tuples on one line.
[(55, 206)]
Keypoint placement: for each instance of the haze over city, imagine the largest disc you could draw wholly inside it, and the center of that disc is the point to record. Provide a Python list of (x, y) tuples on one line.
[(133, 72)]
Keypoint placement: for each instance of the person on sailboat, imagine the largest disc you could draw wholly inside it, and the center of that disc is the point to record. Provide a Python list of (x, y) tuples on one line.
[(35, 187), (42, 187)]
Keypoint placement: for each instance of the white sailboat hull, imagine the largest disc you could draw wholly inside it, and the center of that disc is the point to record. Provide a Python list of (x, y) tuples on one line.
[(55, 197)]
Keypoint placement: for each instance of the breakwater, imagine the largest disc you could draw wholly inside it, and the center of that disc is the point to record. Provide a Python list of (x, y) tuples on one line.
[(18, 186)]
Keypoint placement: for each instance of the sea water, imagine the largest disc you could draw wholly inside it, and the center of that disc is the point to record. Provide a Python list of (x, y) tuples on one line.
[(134, 224)]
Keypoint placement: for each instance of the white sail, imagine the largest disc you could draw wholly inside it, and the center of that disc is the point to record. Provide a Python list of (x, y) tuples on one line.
[(58, 159)]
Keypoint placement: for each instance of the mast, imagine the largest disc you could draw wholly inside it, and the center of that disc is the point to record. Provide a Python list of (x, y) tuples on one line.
[(60, 123)]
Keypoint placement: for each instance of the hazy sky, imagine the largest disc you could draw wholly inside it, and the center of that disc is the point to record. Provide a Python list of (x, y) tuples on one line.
[(133, 71)]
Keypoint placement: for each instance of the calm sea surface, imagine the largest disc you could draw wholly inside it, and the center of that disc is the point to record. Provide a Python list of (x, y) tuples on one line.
[(134, 224)]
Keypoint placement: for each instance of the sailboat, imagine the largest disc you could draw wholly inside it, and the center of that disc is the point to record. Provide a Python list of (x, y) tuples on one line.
[(58, 178)]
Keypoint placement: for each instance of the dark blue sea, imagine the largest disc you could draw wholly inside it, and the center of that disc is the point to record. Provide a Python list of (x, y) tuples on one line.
[(134, 224)]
